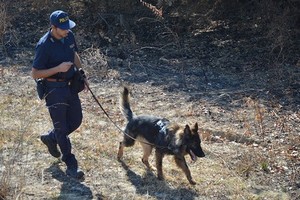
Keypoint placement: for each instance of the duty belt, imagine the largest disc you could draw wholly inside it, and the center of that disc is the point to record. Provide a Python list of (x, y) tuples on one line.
[(55, 83)]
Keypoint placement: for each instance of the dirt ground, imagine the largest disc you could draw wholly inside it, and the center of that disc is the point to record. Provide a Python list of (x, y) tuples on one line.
[(220, 74)]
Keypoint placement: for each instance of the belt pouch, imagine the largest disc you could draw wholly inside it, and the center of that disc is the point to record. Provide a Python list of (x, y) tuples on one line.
[(40, 88)]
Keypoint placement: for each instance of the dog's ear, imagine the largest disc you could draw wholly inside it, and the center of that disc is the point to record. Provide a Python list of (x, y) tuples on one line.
[(195, 128), (187, 130), (125, 90), (187, 136)]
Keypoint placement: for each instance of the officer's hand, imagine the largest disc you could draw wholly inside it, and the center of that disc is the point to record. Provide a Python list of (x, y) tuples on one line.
[(64, 66)]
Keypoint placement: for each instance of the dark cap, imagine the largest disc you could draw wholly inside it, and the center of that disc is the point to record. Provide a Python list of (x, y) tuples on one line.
[(61, 20)]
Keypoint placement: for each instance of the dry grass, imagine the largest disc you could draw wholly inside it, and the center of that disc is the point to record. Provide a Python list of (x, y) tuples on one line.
[(229, 171)]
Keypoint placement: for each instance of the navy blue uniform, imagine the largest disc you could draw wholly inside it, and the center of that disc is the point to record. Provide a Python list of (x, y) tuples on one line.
[(63, 105)]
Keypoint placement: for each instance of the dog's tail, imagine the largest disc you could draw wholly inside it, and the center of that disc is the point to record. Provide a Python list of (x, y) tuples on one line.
[(125, 106)]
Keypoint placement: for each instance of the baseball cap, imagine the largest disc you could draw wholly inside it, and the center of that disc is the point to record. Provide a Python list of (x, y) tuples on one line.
[(61, 20)]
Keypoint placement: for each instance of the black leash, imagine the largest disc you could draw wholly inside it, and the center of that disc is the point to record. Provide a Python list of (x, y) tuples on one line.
[(95, 98)]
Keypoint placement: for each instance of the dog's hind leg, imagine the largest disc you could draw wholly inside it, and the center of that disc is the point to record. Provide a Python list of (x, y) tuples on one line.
[(121, 149), (127, 142), (180, 161), (147, 150)]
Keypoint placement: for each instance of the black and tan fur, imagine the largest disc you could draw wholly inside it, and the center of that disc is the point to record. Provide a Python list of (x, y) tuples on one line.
[(167, 138)]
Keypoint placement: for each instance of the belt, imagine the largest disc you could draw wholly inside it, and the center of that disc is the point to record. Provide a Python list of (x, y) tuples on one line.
[(55, 80), (53, 83)]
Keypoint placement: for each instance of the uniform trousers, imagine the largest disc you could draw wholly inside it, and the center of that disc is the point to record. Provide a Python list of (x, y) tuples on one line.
[(65, 111)]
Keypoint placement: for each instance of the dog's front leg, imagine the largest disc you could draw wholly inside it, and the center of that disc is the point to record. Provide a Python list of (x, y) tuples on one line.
[(180, 161), (159, 157)]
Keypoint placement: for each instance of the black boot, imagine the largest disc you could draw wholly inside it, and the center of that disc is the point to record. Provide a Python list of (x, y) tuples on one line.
[(52, 146), (74, 172), (72, 167)]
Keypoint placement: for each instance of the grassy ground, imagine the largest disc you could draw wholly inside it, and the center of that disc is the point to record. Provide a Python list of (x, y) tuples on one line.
[(238, 163)]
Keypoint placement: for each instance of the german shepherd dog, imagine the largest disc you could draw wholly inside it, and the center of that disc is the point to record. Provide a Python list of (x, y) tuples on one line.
[(167, 138)]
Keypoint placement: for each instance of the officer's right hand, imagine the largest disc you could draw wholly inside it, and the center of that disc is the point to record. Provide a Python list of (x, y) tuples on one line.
[(64, 66)]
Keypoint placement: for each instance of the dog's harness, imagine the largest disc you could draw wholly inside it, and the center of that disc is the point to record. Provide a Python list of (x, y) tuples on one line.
[(163, 139), (162, 124)]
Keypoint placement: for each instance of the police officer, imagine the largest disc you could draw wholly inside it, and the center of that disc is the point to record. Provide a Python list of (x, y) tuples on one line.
[(55, 62)]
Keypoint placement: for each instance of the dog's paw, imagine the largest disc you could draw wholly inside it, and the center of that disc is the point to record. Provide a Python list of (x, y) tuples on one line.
[(192, 182), (148, 165), (160, 177), (152, 168)]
